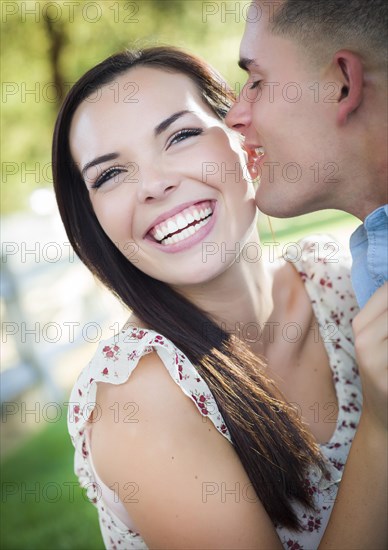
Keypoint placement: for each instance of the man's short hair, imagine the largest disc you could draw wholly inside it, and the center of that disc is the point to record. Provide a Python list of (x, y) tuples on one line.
[(325, 26)]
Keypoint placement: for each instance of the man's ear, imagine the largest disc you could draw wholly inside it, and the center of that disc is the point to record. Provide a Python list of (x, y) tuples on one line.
[(350, 74)]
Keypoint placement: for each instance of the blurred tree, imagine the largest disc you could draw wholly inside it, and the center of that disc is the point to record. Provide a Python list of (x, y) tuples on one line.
[(57, 37), (47, 45)]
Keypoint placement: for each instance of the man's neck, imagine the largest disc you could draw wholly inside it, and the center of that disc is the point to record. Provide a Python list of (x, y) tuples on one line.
[(363, 210)]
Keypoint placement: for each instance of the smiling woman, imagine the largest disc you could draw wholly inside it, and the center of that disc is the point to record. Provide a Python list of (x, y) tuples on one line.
[(175, 142), (200, 408)]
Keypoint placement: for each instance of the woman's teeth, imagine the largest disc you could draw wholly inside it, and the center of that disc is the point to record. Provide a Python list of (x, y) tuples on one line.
[(186, 232), (183, 225)]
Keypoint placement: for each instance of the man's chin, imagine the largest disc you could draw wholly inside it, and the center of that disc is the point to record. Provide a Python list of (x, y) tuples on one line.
[(272, 203)]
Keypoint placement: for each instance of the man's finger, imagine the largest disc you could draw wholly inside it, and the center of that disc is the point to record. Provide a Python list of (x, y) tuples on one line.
[(375, 306)]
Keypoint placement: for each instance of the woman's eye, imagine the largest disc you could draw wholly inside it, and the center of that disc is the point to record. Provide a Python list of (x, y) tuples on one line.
[(255, 84), (106, 176), (184, 134)]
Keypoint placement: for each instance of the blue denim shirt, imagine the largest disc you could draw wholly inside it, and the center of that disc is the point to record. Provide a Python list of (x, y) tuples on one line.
[(369, 247)]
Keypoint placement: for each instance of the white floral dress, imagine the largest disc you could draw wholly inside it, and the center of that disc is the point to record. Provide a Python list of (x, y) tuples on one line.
[(325, 270)]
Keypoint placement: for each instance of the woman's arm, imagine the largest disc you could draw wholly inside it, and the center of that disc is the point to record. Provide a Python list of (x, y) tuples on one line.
[(192, 489)]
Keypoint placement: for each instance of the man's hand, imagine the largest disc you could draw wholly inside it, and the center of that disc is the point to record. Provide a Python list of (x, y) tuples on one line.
[(370, 328)]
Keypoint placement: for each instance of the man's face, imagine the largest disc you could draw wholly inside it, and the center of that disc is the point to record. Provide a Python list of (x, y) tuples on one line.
[(287, 107)]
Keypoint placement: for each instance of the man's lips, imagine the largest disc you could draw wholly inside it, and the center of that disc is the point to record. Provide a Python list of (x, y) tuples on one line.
[(180, 219), (255, 152)]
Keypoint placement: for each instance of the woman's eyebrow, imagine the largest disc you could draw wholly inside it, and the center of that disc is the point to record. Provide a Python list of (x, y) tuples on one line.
[(168, 121), (99, 160)]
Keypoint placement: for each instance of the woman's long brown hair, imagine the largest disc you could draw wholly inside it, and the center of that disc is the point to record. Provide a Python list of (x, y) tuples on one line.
[(272, 444)]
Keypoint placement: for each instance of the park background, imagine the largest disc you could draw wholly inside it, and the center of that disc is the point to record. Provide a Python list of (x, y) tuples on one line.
[(53, 312)]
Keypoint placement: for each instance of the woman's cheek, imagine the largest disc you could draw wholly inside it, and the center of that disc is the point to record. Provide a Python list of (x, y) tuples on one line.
[(112, 217)]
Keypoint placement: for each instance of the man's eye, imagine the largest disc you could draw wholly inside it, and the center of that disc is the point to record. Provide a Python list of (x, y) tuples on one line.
[(106, 176), (255, 84), (184, 134)]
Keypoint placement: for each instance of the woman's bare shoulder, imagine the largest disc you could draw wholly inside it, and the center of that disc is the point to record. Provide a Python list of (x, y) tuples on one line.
[(192, 489)]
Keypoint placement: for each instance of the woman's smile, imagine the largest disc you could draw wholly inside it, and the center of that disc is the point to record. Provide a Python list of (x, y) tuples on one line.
[(183, 227)]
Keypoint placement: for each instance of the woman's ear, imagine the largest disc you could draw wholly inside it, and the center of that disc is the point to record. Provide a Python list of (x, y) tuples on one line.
[(350, 77)]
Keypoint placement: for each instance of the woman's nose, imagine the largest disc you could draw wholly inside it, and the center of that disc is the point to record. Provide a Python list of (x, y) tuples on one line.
[(155, 185)]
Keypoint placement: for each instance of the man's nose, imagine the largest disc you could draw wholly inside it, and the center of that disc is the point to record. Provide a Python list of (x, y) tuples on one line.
[(239, 116)]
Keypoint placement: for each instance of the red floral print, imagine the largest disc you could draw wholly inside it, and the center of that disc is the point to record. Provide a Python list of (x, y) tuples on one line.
[(111, 352)]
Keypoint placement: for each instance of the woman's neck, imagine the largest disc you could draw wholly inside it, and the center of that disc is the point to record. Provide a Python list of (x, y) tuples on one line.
[(239, 300)]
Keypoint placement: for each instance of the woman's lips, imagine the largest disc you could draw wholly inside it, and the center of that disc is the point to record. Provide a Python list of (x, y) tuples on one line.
[(183, 223), (196, 222)]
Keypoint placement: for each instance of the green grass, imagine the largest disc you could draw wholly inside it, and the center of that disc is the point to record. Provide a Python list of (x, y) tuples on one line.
[(43, 465)]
